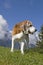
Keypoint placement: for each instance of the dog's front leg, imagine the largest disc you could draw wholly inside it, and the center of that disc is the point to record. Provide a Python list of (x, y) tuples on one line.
[(12, 46), (22, 47)]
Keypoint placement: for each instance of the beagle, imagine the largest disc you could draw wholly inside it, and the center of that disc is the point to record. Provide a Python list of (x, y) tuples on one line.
[(20, 34)]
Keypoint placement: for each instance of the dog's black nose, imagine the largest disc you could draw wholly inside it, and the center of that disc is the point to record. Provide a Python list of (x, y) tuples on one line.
[(35, 30)]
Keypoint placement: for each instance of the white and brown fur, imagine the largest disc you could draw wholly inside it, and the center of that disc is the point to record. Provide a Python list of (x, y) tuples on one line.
[(20, 33)]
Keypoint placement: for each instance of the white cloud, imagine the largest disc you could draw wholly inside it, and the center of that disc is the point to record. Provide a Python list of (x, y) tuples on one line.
[(7, 4), (31, 2), (3, 27), (3, 22)]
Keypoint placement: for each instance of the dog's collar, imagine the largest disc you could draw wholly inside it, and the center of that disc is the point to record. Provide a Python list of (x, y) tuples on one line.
[(25, 32)]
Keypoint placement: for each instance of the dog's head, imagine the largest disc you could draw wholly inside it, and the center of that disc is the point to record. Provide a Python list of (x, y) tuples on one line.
[(29, 28)]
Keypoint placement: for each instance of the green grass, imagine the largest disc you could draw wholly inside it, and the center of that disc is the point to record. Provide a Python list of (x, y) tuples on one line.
[(31, 57)]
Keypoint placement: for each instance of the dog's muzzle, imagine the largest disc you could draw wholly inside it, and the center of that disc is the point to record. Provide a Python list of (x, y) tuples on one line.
[(32, 29)]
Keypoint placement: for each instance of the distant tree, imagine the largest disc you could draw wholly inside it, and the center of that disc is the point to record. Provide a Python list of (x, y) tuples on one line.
[(41, 37), (41, 32)]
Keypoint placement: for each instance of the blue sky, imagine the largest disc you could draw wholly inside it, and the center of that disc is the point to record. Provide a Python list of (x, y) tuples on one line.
[(15, 11)]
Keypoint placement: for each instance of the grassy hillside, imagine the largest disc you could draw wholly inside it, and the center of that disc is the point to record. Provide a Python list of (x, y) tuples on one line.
[(31, 57)]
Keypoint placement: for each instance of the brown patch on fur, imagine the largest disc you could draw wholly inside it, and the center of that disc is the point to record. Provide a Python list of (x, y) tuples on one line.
[(19, 27)]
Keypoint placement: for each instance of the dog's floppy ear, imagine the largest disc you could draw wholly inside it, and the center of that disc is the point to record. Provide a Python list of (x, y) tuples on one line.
[(25, 27)]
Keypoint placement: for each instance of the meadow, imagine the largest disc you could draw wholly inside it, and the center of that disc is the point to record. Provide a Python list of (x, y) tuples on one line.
[(31, 57)]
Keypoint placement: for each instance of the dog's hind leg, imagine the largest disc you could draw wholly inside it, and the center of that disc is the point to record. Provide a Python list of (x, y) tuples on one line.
[(22, 47)]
